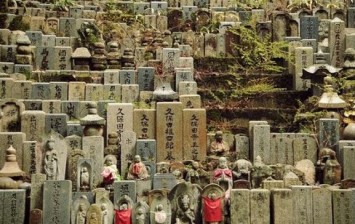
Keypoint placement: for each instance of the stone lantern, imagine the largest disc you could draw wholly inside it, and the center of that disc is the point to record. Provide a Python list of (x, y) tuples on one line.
[(81, 59), (10, 171), (93, 123)]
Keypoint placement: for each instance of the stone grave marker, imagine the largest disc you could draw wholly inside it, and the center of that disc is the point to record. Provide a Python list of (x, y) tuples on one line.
[(342, 144), (33, 104), (328, 133), (48, 40), (8, 53), (7, 67), (309, 27), (67, 26), (22, 89), (194, 134), (62, 42), (130, 93), (145, 78), (36, 216), (23, 69), (302, 204), (120, 116), (282, 209), (144, 121), (343, 205), (261, 143), (37, 181), (73, 142), (242, 146), (93, 146), (146, 148), (76, 91), (57, 196), (40, 91), (127, 76), (58, 90), (80, 207), (259, 206), (305, 148), (303, 59), (187, 88), (6, 84), (35, 37), (62, 60), (111, 76), (11, 115), (84, 174), (14, 212), (57, 123), (33, 125), (240, 209), (169, 143), (322, 206), (51, 106), (348, 162), (112, 92), (310, 43), (72, 168), (170, 60), (74, 128), (72, 109), (190, 101), (32, 157), (94, 92), (124, 187), (128, 149), (336, 42)]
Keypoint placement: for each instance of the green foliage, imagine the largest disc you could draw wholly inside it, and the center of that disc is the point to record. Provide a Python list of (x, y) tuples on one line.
[(63, 5), (249, 4), (257, 54)]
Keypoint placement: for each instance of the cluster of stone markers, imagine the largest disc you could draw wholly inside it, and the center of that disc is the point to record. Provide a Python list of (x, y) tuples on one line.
[(66, 109)]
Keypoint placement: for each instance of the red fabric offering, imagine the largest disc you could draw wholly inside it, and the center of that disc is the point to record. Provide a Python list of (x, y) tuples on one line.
[(212, 209), (123, 216)]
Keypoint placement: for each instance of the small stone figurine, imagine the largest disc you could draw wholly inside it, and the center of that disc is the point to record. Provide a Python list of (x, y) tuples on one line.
[(223, 176), (84, 179), (51, 161), (137, 170), (328, 168), (212, 208), (218, 147), (110, 172)]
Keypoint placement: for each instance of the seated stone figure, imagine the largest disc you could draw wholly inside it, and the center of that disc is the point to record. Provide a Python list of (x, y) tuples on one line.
[(218, 147), (110, 172), (223, 176), (328, 169), (137, 170)]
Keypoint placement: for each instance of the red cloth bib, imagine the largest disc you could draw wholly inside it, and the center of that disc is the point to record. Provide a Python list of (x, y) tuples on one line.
[(212, 209), (123, 217)]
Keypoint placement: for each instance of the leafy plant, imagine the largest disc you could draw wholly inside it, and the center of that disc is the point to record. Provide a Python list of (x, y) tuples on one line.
[(254, 53), (63, 5)]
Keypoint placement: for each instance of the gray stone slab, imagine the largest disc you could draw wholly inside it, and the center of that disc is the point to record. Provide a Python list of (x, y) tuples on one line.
[(22, 89), (74, 128), (124, 187), (33, 125), (67, 26), (37, 181), (322, 206), (348, 162), (188, 88), (342, 144), (35, 37), (6, 85), (127, 76), (48, 40), (302, 204), (52, 106), (305, 148), (57, 123), (337, 42), (145, 78), (93, 146), (194, 134), (170, 60), (43, 59), (240, 211), (62, 58), (58, 90), (309, 27), (128, 149), (15, 211), (242, 146), (190, 101), (23, 69), (94, 92), (169, 143), (62, 41), (7, 67), (328, 133), (310, 43), (303, 59), (33, 104), (32, 157), (76, 91), (8, 53), (40, 91), (147, 149), (282, 208), (130, 93), (111, 76), (261, 143), (144, 123), (57, 197), (112, 92), (120, 116), (343, 206), (259, 206)]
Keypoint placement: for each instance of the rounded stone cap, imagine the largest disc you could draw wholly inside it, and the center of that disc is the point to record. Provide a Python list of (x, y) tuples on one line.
[(23, 40), (113, 44), (99, 45), (113, 135)]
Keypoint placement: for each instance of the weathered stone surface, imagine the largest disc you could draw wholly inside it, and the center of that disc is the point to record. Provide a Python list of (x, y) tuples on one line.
[(57, 123), (302, 204), (305, 148), (194, 134), (37, 181), (124, 187), (261, 143), (128, 148), (57, 198), (93, 146), (14, 212), (259, 206), (328, 133), (33, 125), (322, 206), (169, 143), (282, 208), (147, 149), (348, 162), (51, 106), (240, 209), (76, 91), (343, 206), (14, 139), (144, 123), (32, 157), (337, 42)]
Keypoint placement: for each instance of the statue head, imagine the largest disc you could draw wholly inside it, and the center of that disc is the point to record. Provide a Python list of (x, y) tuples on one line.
[(110, 160), (103, 207), (51, 143), (159, 207), (222, 162), (137, 158), (219, 136), (185, 201)]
